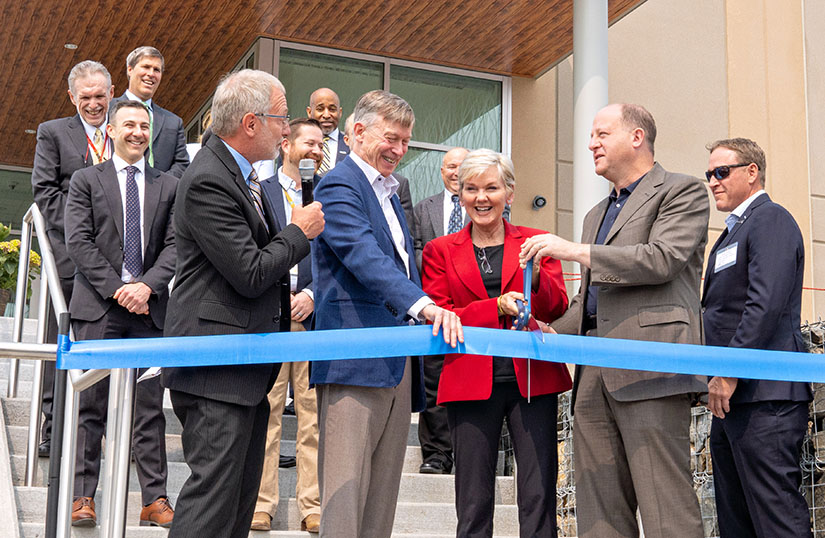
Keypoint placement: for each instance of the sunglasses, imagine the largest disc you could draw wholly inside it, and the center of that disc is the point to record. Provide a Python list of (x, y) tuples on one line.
[(721, 172)]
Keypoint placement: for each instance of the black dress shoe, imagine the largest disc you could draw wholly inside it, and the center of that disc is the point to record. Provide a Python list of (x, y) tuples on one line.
[(285, 462), (435, 467), (290, 409), (45, 448)]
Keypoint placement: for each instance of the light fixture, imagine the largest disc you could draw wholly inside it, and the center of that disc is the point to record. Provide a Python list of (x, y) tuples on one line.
[(70, 46)]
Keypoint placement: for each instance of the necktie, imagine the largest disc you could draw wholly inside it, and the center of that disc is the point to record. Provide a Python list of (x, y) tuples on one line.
[(326, 164), (151, 134), (255, 191), (100, 147), (132, 248), (454, 224), (730, 221)]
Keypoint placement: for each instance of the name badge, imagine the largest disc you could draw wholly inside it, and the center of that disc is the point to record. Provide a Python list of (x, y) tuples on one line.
[(726, 257)]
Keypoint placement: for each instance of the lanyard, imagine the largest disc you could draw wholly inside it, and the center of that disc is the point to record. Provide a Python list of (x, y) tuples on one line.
[(94, 149)]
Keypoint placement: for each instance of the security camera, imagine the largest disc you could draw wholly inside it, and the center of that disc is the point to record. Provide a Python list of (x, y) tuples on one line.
[(539, 202)]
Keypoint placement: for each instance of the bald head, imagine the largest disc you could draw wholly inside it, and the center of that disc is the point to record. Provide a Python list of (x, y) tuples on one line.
[(449, 168), (325, 107)]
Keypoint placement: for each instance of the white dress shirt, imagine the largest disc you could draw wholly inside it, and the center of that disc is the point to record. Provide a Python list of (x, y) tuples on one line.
[(291, 191), (332, 146), (120, 168), (90, 132), (384, 189), (132, 97), (448, 210)]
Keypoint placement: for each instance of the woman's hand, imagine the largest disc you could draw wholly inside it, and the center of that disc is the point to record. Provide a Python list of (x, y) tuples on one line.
[(507, 303)]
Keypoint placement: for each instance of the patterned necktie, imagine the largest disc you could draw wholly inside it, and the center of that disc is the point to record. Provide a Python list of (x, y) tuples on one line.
[(151, 133), (99, 154), (132, 248), (454, 224), (255, 191), (326, 163)]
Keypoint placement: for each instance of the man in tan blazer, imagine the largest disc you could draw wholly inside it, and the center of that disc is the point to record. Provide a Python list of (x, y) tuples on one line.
[(641, 260)]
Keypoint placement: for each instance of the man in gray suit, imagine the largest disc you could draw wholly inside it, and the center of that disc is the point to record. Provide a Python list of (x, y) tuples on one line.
[(64, 146), (438, 215), (641, 258), (167, 149)]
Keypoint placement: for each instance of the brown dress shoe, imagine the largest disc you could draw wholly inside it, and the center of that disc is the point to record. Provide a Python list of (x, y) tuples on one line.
[(159, 514), (83, 512), (261, 521), (311, 523)]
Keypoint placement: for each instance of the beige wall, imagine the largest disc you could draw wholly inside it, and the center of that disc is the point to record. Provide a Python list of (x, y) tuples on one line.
[(706, 69)]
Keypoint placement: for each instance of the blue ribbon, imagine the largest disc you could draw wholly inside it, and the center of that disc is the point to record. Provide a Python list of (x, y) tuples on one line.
[(418, 340)]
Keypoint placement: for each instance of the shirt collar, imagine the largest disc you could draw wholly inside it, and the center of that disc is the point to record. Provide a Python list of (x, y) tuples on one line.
[(389, 184), (287, 182), (120, 164), (627, 191), (333, 135), (741, 208), (132, 97), (243, 164), (265, 169), (90, 131)]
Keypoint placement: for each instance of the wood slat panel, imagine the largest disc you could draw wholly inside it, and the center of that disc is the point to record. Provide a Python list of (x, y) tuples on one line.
[(203, 39)]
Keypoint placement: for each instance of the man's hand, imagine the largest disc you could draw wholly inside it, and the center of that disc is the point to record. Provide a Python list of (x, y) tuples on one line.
[(301, 306), (545, 327), (540, 246), (134, 297), (507, 303), (447, 320), (720, 389), (310, 219)]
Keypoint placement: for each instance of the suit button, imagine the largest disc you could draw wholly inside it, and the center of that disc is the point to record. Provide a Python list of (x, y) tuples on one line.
[(276, 319)]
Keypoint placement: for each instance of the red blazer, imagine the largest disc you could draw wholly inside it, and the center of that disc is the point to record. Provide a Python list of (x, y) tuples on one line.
[(452, 279)]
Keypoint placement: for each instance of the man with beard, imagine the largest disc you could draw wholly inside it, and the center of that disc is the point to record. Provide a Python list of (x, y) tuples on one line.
[(283, 192)]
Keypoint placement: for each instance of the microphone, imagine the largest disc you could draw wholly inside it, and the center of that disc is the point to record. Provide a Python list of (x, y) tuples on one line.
[(307, 170)]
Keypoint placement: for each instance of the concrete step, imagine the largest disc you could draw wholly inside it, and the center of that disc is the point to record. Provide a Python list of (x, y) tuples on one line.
[(422, 518), (414, 487)]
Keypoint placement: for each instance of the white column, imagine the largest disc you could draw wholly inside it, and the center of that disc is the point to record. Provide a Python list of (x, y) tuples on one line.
[(590, 95)]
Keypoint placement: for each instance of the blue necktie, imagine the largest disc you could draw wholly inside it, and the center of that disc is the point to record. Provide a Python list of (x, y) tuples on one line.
[(730, 221), (132, 249), (454, 223)]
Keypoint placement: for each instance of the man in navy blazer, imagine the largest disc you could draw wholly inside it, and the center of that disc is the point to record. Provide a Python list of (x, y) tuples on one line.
[(752, 299), (365, 276), (167, 149)]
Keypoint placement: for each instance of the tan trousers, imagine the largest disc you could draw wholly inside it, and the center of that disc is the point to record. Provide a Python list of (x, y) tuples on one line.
[(307, 441), (364, 434)]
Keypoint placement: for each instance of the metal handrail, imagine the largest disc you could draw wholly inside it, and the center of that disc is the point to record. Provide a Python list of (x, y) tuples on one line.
[(118, 431)]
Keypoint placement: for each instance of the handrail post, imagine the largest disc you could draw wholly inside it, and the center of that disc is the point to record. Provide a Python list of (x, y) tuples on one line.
[(118, 449), (37, 386), (20, 298)]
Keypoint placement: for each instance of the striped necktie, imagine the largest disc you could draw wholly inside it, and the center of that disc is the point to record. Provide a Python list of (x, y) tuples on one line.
[(151, 133), (255, 191), (326, 164)]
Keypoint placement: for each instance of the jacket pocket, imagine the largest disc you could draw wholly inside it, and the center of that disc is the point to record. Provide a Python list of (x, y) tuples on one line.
[(223, 313), (662, 314)]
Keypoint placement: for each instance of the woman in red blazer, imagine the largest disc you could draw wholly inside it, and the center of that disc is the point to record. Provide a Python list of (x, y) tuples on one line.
[(476, 274)]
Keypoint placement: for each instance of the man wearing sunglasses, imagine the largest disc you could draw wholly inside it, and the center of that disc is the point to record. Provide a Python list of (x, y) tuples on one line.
[(752, 299), (641, 260)]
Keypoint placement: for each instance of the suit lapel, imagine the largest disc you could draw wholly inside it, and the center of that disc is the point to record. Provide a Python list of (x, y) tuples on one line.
[(463, 256), (107, 176), (77, 134), (158, 117), (274, 195), (643, 192), (437, 214), (512, 246), (151, 198), (590, 230)]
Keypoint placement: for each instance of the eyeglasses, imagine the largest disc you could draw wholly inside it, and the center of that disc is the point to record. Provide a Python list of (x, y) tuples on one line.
[(721, 172), (485, 263), (285, 118)]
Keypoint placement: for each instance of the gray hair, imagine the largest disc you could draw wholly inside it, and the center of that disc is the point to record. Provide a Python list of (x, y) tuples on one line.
[(240, 93), (479, 161), (747, 150), (85, 69), (381, 104), (136, 55), (638, 117)]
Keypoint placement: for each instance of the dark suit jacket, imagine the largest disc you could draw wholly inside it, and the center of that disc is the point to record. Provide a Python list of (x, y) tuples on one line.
[(274, 195), (61, 150), (405, 196), (343, 148), (229, 271), (168, 140), (360, 280), (94, 232), (756, 302), (428, 216), (648, 271)]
